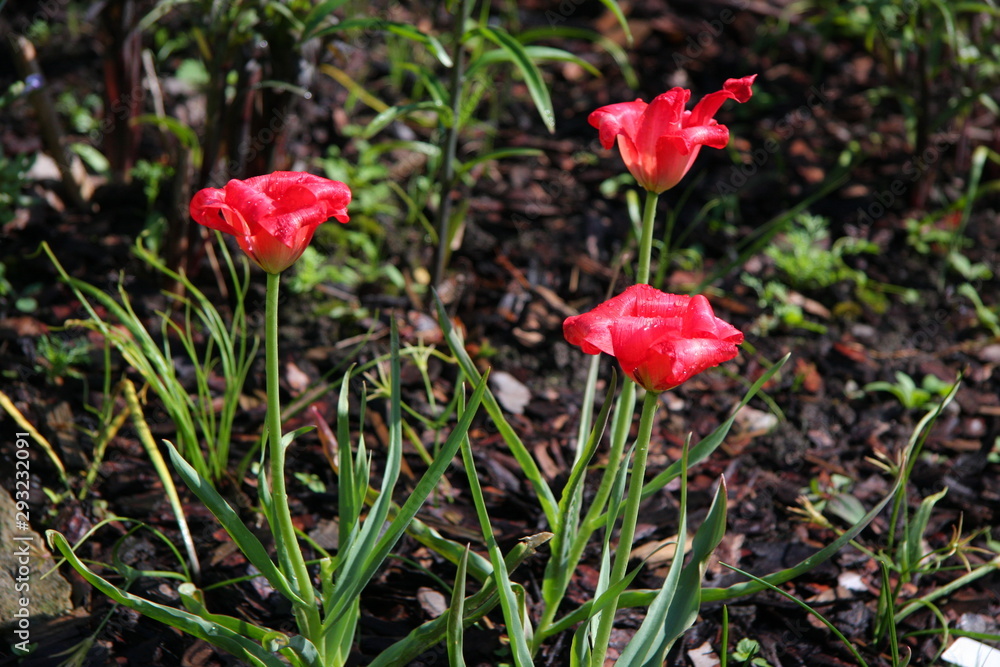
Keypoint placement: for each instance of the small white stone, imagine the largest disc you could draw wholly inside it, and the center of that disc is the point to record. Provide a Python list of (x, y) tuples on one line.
[(852, 581), (967, 652)]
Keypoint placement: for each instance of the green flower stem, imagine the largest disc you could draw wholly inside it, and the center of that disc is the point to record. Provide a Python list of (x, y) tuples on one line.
[(646, 240), (451, 146), (622, 420), (595, 517), (621, 425), (587, 408), (629, 520), (289, 553)]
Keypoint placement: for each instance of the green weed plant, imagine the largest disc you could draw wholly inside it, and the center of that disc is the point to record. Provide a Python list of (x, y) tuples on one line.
[(906, 557), (203, 433)]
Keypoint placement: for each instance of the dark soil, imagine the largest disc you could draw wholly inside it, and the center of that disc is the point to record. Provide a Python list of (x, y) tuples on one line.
[(542, 241)]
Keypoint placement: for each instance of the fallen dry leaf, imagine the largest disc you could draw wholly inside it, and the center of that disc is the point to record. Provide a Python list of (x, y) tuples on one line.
[(703, 656), (431, 601), (510, 392)]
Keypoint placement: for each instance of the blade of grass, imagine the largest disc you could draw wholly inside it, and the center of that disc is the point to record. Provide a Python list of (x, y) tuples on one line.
[(456, 631), (226, 515), (140, 350), (193, 600), (562, 565), (404, 30), (533, 79), (673, 612), (705, 446), (478, 605), (355, 88), (708, 444), (515, 630), (643, 598), (912, 453), (350, 583), (949, 588), (755, 242), (724, 641), (213, 633), (19, 418), (349, 510), (886, 622), (319, 13), (619, 54), (160, 465), (913, 549), (830, 626), (478, 566), (357, 556), (535, 54), (615, 9), (387, 117), (498, 154), (524, 458)]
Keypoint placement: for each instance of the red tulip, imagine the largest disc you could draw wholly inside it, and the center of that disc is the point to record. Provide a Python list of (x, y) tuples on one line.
[(273, 217), (660, 339), (659, 141)]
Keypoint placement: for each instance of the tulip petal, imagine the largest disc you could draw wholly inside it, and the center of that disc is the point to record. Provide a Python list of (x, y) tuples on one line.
[(633, 160), (208, 208), (647, 301), (662, 116), (660, 339), (285, 227), (660, 141), (699, 320), (589, 332), (640, 346), (254, 204), (591, 329), (690, 139), (690, 356), (273, 254), (660, 171), (614, 119), (273, 217), (733, 89)]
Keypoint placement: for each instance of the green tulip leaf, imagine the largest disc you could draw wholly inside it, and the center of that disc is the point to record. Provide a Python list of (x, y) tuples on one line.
[(220, 635), (519, 55)]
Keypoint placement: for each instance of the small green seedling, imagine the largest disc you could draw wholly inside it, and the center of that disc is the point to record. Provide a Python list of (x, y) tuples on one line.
[(909, 394), (987, 316), (58, 357), (747, 652)]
